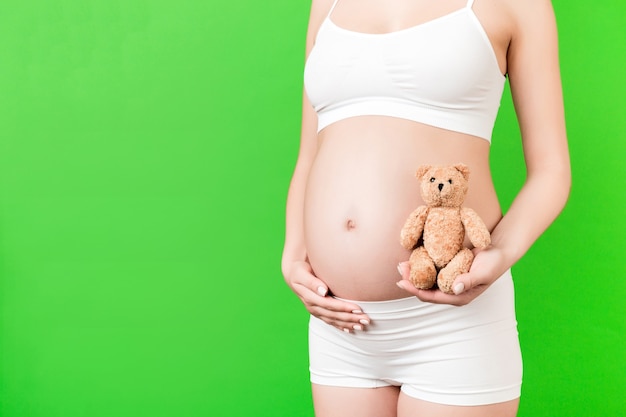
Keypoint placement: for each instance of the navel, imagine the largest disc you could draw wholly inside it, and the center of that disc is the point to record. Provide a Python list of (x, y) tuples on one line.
[(350, 225)]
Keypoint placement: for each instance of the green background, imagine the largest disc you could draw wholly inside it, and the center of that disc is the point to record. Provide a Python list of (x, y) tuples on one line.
[(145, 152)]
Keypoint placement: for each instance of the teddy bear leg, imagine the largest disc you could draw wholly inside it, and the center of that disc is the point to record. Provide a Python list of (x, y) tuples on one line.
[(423, 273), (460, 264)]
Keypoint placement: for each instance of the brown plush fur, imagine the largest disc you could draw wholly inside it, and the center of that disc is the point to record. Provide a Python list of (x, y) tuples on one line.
[(442, 225)]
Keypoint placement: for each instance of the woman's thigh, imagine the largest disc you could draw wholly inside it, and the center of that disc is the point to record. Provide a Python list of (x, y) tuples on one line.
[(412, 407), (363, 402)]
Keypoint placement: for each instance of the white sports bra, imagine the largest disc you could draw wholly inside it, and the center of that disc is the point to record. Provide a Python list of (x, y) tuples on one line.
[(443, 73)]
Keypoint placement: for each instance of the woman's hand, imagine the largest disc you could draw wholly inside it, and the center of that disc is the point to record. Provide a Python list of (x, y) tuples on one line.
[(314, 294), (488, 265)]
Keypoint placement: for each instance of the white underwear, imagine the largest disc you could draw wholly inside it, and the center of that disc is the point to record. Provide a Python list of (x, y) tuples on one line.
[(450, 355)]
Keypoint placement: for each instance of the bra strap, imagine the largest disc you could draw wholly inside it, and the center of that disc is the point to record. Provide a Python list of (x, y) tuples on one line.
[(470, 3), (337, 1)]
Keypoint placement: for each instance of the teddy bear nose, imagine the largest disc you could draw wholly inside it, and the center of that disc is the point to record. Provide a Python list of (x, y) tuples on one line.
[(440, 186)]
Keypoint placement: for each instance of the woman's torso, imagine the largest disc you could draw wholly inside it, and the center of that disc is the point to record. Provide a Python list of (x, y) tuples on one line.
[(362, 187)]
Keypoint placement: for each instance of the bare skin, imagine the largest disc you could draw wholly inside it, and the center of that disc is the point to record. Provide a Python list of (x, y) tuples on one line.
[(390, 402), (353, 186)]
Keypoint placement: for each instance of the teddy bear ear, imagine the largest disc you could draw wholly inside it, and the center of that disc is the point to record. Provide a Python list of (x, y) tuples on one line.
[(463, 169), (422, 170)]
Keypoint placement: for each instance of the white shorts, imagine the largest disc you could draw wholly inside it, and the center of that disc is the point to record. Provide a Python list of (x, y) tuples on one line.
[(450, 355)]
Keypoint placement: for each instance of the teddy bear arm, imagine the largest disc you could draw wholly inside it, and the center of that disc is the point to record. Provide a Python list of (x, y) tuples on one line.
[(475, 228), (413, 227)]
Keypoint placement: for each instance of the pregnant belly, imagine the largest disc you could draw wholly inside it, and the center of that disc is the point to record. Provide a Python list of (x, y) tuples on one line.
[(359, 194), (357, 201), (353, 244)]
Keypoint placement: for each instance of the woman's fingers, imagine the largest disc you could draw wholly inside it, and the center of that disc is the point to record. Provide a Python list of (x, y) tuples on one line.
[(436, 296), (348, 322), (344, 315), (403, 269), (439, 297), (314, 294), (466, 288)]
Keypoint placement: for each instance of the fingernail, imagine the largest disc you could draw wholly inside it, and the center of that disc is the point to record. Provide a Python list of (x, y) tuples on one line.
[(364, 322), (459, 288), (400, 270), (346, 330), (357, 327), (357, 312), (400, 284), (321, 291)]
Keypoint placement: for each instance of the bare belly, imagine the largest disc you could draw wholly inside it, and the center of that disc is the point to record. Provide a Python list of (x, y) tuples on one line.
[(361, 189)]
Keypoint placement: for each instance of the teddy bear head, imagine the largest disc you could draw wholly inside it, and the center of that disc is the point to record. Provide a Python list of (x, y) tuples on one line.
[(443, 186)]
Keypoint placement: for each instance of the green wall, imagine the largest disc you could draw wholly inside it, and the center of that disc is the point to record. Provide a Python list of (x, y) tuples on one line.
[(145, 151)]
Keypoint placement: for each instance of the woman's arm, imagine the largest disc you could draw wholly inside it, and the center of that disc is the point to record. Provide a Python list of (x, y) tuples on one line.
[(295, 267), (533, 69)]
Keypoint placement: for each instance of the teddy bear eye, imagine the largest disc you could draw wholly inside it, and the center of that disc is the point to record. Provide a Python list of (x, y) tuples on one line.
[(450, 181), (432, 179)]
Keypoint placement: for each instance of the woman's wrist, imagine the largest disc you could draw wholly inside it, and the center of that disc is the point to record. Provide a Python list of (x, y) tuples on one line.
[(509, 251)]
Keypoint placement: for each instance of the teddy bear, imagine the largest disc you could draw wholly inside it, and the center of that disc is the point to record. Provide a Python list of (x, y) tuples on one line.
[(436, 231)]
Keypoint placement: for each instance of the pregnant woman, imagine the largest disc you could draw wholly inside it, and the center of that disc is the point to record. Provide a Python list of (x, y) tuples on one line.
[(390, 86)]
